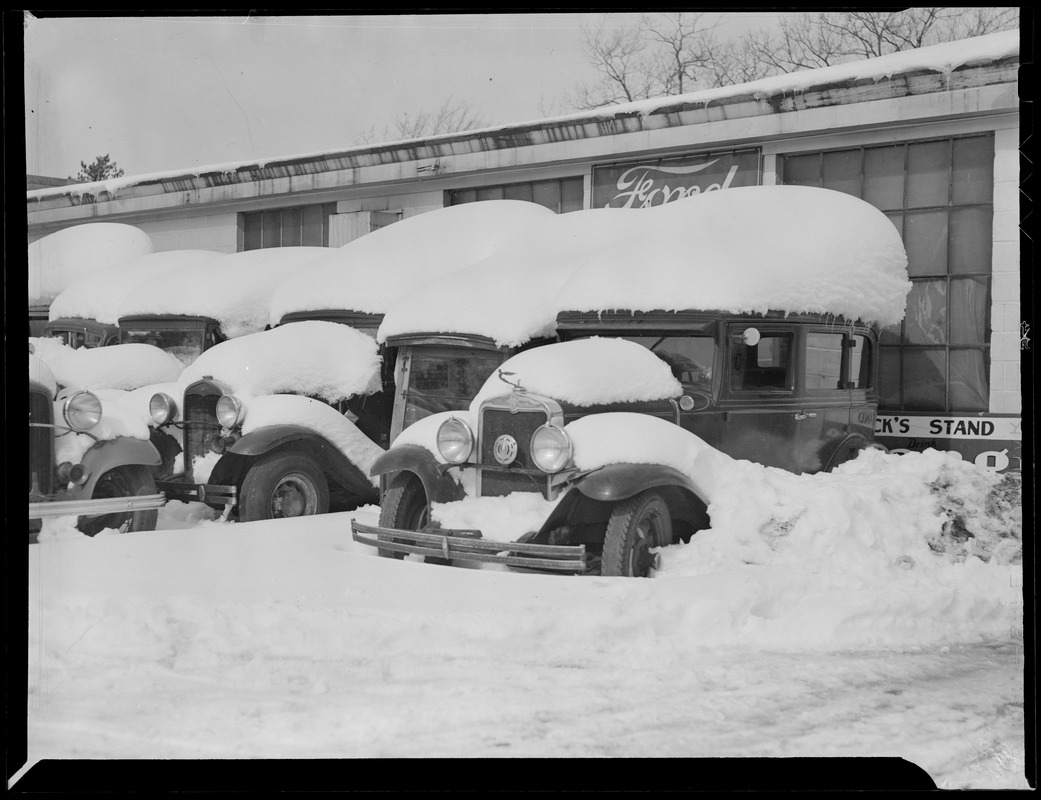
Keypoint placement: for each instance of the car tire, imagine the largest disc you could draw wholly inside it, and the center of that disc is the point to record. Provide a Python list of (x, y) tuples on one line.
[(403, 506), (283, 485), (636, 525), (126, 481)]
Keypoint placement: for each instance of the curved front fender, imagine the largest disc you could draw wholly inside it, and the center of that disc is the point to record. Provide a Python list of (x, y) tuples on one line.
[(119, 452), (264, 440), (439, 486), (621, 481)]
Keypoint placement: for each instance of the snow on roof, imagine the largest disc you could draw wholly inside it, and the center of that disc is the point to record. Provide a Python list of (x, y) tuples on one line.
[(747, 250), (368, 273), (509, 295), (121, 366), (586, 372), (744, 250), (98, 296), (320, 359), (57, 259), (234, 290), (943, 58)]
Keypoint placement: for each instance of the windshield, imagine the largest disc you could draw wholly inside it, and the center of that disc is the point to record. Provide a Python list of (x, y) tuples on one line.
[(185, 343), (77, 339), (689, 355), (445, 379)]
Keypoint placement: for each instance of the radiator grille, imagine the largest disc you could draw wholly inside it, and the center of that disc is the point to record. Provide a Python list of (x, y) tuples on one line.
[(520, 425), (200, 421), (41, 441)]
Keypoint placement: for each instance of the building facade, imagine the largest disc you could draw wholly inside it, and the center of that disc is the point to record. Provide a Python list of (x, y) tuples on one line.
[(929, 137)]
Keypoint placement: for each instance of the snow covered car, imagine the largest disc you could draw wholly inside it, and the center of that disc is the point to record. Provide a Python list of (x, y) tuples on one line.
[(265, 423), (582, 434), (89, 456), (81, 332)]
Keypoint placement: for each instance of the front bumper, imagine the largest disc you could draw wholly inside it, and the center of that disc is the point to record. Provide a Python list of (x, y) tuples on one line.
[(96, 507), (212, 493), (468, 545)]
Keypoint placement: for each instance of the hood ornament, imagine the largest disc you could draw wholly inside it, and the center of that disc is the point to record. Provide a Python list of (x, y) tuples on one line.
[(503, 378)]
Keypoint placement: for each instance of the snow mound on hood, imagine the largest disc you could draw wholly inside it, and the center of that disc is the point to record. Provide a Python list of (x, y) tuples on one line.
[(320, 359), (234, 290), (61, 257), (369, 273), (748, 250), (121, 366), (586, 372), (98, 296)]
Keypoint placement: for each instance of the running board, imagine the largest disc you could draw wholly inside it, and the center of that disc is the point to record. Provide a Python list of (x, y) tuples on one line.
[(468, 545)]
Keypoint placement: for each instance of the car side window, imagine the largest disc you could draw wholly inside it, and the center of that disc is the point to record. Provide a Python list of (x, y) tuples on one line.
[(765, 365), (824, 360), (860, 362)]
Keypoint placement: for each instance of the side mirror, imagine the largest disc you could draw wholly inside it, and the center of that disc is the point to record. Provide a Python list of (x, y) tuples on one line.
[(751, 336)]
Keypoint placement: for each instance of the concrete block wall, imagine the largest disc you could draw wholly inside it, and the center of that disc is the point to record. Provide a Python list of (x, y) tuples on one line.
[(1005, 353)]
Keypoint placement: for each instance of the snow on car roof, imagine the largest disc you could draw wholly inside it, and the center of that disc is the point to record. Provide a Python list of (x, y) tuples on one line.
[(59, 258), (234, 290), (320, 359), (749, 250), (744, 250), (586, 372), (368, 273), (120, 366), (99, 295)]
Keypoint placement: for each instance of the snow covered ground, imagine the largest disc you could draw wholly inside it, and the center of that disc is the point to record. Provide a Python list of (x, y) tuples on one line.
[(285, 639)]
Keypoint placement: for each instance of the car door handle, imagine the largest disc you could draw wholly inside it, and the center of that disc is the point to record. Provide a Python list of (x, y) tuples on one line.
[(804, 414)]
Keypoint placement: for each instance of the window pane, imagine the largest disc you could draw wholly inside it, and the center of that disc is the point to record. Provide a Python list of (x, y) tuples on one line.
[(969, 305), (972, 180), (884, 176), (924, 378), (313, 232), (928, 174), (889, 377), (841, 171), (803, 170), (571, 191), (925, 239), (489, 193), (547, 193), (462, 196), (272, 229), (926, 319), (292, 219), (971, 240), (860, 363), (824, 360), (251, 232), (969, 389), (764, 365), (517, 191)]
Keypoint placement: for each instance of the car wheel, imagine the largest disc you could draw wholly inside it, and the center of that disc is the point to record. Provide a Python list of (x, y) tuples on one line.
[(125, 481), (403, 506), (636, 526), (283, 485)]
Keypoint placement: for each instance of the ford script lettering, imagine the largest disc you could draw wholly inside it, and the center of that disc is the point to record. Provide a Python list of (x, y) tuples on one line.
[(643, 187)]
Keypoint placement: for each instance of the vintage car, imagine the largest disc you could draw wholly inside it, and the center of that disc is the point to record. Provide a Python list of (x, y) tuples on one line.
[(89, 455), (786, 376), (262, 425), (78, 333)]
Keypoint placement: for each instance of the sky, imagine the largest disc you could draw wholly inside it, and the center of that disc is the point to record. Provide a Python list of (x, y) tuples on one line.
[(165, 93)]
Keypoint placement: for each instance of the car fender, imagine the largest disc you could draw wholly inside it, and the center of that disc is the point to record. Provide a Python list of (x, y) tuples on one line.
[(232, 470), (847, 450), (119, 452), (616, 482), (439, 486)]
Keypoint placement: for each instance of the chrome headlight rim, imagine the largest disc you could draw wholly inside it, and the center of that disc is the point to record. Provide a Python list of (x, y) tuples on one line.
[(455, 440), (82, 410), (561, 443), (162, 408), (230, 411)]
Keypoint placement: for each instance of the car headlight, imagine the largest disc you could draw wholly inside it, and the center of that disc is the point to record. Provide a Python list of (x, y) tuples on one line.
[(550, 448), (82, 411), (455, 440), (162, 408), (230, 411)]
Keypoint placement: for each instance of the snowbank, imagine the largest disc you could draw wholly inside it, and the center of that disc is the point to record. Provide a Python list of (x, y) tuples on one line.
[(121, 366), (61, 257), (99, 295), (234, 290), (369, 273), (322, 359)]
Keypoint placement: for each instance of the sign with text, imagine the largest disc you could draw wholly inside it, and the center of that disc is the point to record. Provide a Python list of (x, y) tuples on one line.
[(654, 183), (990, 442)]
